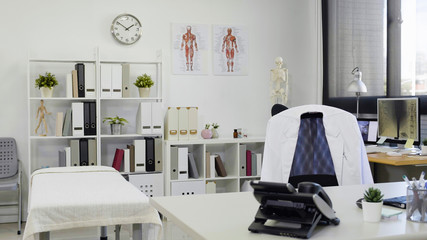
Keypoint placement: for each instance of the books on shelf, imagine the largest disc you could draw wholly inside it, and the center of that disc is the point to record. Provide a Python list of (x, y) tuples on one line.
[(192, 167), (59, 123), (82, 152), (219, 167), (118, 159)]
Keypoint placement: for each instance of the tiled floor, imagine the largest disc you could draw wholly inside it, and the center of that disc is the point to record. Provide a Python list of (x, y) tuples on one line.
[(170, 232)]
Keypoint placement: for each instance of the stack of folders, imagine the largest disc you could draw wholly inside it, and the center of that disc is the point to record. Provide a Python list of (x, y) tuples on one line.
[(144, 155), (81, 152), (250, 162), (149, 119), (80, 120), (183, 164), (181, 123), (80, 82), (214, 164)]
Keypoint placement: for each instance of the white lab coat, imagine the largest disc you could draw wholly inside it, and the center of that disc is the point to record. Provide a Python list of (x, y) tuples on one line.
[(343, 136)]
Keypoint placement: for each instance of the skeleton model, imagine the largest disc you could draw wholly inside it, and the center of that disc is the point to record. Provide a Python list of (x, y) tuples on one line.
[(279, 83)]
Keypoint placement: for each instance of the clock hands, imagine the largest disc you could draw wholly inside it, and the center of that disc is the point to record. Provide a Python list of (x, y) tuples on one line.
[(122, 25), (127, 29)]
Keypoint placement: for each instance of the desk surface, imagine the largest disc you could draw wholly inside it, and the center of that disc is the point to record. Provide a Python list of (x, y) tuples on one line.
[(398, 160), (228, 216)]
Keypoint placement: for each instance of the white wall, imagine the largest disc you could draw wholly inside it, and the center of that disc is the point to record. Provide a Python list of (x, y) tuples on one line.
[(73, 29)]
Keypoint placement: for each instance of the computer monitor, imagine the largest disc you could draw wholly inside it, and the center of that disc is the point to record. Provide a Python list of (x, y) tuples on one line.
[(399, 119), (368, 129)]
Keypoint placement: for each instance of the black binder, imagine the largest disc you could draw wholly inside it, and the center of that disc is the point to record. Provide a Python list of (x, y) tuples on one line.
[(80, 67), (84, 157), (86, 114), (150, 165), (92, 118)]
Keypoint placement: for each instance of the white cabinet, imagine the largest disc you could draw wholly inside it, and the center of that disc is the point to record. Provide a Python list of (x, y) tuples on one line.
[(229, 152)]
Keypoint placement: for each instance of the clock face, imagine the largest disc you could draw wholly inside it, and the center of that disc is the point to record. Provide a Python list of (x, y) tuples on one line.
[(126, 29)]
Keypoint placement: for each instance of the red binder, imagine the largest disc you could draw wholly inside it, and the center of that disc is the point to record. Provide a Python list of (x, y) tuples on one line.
[(118, 159), (248, 163)]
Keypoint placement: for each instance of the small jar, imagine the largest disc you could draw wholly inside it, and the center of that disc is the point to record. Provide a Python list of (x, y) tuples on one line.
[(235, 134)]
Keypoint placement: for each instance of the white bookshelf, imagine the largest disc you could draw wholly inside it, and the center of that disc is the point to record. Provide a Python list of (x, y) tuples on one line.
[(228, 149)]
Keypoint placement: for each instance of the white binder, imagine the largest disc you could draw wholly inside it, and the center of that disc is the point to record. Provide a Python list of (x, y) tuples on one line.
[(126, 160), (67, 156), (116, 81), (139, 155), (183, 123), (258, 164), (212, 165), (77, 117), (69, 86), (105, 80), (171, 124), (143, 118), (193, 123), (90, 81), (126, 83), (182, 163), (157, 117)]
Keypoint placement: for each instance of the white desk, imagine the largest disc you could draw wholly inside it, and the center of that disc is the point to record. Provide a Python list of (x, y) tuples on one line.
[(228, 216)]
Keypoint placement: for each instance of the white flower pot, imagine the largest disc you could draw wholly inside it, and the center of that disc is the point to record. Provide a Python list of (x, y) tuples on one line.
[(372, 211), (144, 92), (46, 92)]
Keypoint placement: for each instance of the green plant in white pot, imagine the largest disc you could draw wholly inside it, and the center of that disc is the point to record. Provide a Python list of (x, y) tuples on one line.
[(45, 84), (372, 205), (116, 124), (144, 83)]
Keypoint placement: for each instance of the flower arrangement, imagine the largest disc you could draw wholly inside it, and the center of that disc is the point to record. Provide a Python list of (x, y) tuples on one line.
[(215, 125), (115, 120), (48, 81), (144, 81)]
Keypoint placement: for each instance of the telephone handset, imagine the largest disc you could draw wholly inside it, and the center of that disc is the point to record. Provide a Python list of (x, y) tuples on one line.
[(281, 202)]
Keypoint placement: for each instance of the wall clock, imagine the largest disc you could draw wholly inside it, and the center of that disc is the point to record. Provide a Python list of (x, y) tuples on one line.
[(126, 29)]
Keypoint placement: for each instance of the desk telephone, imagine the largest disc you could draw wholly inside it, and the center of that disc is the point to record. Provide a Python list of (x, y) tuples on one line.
[(294, 213)]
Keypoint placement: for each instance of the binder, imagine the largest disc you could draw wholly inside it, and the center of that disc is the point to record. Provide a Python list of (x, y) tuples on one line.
[(126, 160), (116, 81), (106, 81), (132, 157), (210, 187), (248, 163), (118, 158), (174, 163), (192, 167), (59, 122), (75, 152), (242, 160), (208, 165), (66, 129), (80, 67), (183, 123), (77, 116), (212, 165), (258, 164), (84, 154), (75, 84), (171, 124), (67, 156), (69, 86), (254, 164), (126, 82), (158, 154), (92, 119), (90, 82), (182, 163), (149, 154), (61, 158), (157, 117), (219, 167), (139, 155), (86, 117), (92, 152), (143, 121), (193, 123)]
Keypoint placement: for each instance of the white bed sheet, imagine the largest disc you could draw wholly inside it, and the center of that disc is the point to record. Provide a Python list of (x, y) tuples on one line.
[(73, 197)]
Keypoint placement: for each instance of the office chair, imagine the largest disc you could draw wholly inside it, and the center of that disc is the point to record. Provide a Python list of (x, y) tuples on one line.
[(277, 108), (315, 143), (10, 173)]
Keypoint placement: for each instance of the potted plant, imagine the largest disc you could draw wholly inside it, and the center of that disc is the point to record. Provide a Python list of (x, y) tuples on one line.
[(144, 83), (115, 123), (424, 147), (46, 83), (372, 204), (206, 133), (214, 130)]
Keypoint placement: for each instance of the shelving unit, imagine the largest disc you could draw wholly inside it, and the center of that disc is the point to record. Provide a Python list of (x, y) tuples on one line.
[(43, 150), (228, 149)]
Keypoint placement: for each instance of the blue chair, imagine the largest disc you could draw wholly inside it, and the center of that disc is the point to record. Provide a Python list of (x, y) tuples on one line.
[(10, 173)]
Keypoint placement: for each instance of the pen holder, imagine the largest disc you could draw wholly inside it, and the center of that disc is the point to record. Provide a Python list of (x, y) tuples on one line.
[(416, 204)]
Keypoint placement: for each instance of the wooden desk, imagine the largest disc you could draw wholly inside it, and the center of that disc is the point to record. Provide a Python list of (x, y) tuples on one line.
[(228, 216), (403, 160)]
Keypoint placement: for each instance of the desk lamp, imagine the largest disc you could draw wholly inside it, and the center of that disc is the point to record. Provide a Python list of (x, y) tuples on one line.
[(357, 86)]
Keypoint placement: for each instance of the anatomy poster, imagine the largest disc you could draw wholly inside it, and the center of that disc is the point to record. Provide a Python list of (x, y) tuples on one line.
[(190, 48), (230, 50)]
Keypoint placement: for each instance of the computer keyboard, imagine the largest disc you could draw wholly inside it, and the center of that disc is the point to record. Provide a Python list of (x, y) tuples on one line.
[(384, 149)]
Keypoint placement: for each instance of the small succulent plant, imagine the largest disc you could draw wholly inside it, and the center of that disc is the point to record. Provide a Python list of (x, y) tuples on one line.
[(373, 195)]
